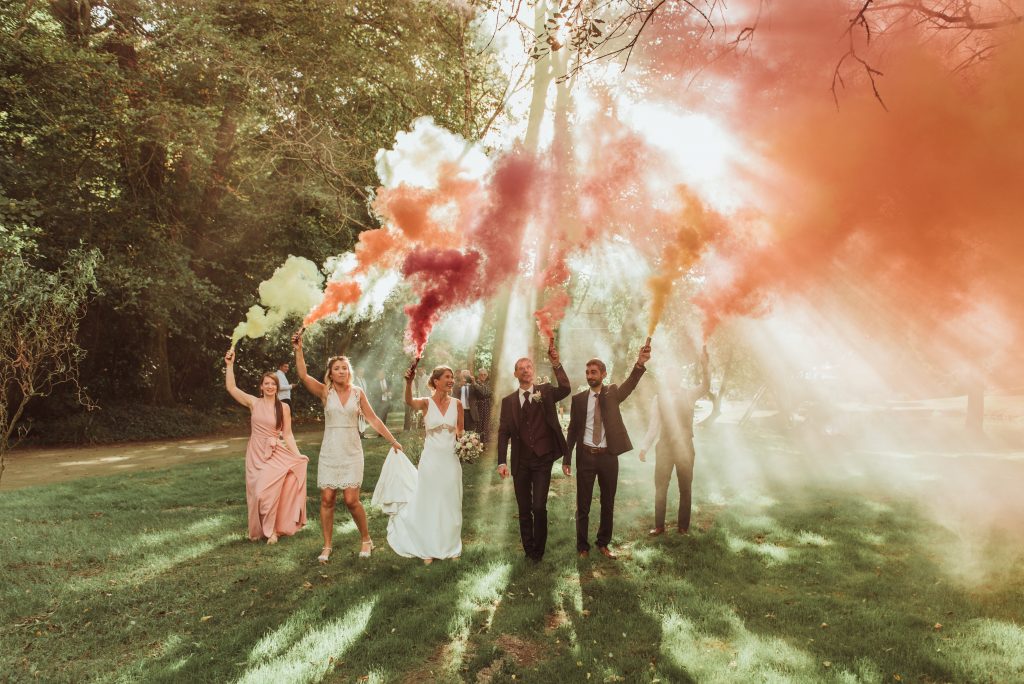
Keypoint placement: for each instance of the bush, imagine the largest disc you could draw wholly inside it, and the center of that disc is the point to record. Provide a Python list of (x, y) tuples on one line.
[(129, 423)]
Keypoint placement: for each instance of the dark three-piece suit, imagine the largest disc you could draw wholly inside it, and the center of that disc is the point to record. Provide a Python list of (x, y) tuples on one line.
[(530, 424)]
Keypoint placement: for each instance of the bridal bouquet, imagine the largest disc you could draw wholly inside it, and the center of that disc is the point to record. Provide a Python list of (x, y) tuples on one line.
[(469, 447)]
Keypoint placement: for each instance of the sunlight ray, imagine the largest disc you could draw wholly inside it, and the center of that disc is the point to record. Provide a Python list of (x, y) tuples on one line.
[(314, 654)]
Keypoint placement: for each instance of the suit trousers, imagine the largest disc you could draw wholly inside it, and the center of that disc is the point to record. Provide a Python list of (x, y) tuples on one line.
[(605, 469), (532, 481), (668, 457)]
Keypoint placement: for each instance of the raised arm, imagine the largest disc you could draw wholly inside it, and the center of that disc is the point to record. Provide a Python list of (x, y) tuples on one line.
[(314, 386), (375, 422), (418, 404), (627, 387), (238, 395), (564, 389)]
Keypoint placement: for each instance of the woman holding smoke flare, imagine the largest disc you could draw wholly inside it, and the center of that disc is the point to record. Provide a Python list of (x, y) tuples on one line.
[(341, 453), (275, 471)]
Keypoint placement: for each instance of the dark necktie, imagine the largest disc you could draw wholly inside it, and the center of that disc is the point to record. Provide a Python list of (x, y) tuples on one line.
[(598, 426)]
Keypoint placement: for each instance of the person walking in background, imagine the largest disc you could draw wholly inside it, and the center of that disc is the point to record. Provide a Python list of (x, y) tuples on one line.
[(284, 392), (484, 394), (598, 434), (275, 470), (671, 427), (472, 394), (380, 396), (341, 452)]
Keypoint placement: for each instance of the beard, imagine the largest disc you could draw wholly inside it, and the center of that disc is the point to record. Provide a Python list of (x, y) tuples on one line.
[(594, 383)]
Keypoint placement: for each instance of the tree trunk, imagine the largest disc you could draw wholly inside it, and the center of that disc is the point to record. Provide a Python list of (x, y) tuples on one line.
[(160, 389)]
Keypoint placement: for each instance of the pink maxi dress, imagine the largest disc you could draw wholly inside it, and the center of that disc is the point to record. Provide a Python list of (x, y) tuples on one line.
[(275, 478)]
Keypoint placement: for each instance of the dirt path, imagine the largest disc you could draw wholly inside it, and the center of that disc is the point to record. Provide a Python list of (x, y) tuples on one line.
[(28, 467)]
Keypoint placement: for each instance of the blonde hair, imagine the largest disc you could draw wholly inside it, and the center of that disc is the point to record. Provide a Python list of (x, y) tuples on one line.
[(328, 383), (436, 374)]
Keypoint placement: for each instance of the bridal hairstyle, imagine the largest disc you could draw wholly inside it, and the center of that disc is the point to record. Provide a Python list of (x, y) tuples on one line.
[(328, 383), (436, 374), (278, 406)]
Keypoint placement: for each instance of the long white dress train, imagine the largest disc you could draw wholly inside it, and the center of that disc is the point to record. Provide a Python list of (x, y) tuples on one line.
[(425, 509)]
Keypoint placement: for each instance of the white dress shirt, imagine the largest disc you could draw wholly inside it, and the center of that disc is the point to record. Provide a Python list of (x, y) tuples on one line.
[(284, 388), (522, 395), (588, 431)]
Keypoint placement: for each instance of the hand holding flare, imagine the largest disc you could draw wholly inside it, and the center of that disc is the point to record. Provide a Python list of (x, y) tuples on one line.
[(645, 353)]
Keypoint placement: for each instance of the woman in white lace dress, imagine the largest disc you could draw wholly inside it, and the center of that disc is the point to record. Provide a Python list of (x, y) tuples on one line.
[(341, 452), (426, 507)]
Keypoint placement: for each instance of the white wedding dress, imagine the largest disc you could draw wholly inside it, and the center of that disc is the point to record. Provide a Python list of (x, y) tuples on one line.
[(425, 506)]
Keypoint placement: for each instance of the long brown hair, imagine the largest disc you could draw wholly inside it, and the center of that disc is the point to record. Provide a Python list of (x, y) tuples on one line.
[(278, 406), (328, 383)]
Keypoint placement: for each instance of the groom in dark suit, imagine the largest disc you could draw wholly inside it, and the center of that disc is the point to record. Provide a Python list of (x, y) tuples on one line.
[(528, 420), (598, 434)]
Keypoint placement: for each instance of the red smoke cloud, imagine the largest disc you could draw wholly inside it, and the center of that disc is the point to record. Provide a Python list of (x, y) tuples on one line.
[(449, 278), (444, 279)]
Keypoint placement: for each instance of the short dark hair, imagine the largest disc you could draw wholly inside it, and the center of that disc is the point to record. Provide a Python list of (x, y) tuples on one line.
[(599, 363), (520, 360)]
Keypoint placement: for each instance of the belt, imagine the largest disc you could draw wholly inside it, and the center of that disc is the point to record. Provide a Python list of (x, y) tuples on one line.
[(597, 451)]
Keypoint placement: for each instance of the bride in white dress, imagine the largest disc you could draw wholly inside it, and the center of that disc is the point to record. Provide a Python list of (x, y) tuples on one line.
[(426, 505)]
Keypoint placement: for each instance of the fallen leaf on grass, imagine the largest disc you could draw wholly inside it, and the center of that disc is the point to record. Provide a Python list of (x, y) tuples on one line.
[(307, 585), (938, 626), (206, 618)]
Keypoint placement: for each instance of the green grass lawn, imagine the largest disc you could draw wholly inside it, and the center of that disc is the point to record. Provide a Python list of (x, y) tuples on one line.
[(801, 567)]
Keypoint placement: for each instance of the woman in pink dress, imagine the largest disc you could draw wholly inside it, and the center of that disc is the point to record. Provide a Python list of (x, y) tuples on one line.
[(275, 471)]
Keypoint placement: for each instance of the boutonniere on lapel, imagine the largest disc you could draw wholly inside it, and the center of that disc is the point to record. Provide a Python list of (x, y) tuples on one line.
[(536, 398)]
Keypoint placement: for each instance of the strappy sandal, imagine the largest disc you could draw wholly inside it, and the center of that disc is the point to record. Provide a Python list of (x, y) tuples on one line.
[(325, 554), (365, 553)]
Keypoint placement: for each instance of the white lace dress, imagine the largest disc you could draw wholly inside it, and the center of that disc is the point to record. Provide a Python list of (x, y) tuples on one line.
[(425, 510), (341, 452)]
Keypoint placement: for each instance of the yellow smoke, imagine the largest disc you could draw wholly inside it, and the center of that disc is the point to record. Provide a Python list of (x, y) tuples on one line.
[(294, 289)]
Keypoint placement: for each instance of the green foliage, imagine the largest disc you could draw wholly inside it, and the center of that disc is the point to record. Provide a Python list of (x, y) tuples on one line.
[(116, 422), (196, 144), (39, 323)]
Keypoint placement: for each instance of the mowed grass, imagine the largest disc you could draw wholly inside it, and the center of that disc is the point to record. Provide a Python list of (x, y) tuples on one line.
[(148, 577)]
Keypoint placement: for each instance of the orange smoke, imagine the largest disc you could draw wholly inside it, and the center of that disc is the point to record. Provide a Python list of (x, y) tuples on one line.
[(910, 212), (432, 217), (375, 246), (551, 314), (337, 294), (685, 238)]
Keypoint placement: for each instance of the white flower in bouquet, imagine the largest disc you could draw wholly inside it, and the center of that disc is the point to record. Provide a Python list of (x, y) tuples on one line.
[(469, 448)]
